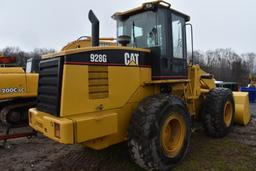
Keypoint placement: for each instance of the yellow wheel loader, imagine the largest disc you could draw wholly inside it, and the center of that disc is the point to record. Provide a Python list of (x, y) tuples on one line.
[(142, 91)]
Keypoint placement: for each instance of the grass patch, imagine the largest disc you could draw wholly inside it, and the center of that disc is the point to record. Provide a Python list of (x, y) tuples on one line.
[(217, 154)]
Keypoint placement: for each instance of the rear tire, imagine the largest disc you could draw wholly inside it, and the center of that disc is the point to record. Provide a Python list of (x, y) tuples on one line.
[(159, 132), (218, 112)]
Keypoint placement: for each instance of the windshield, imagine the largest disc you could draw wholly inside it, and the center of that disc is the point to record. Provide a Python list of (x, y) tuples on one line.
[(143, 30)]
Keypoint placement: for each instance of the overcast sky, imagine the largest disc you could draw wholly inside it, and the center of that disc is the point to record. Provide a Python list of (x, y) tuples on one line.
[(33, 24)]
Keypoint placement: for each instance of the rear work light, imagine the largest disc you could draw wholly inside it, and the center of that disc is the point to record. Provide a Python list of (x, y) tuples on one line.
[(57, 130)]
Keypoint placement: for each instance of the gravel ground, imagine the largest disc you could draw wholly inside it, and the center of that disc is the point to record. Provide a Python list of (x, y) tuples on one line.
[(39, 153), (253, 109)]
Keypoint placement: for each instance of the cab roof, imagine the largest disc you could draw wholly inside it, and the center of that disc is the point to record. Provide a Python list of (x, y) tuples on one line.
[(148, 6)]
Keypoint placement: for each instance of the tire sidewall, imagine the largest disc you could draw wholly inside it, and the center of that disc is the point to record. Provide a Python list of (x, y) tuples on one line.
[(164, 114), (213, 112), (228, 98)]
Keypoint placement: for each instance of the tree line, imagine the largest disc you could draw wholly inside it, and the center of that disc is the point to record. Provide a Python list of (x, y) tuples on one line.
[(22, 56), (227, 65)]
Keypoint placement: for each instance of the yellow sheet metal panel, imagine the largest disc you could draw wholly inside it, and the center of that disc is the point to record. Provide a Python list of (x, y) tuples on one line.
[(194, 77), (242, 108), (123, 115), (32, 84), (142, 8), (11, 70), (76, 89), (88, 128), (44, 123), (12, 85), (108, 123)]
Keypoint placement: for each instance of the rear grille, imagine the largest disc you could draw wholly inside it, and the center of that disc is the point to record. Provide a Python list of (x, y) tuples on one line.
[(49, 89), (98, 82)]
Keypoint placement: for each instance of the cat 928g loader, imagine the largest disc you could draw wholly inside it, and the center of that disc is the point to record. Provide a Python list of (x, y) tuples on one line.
[(142, 91)]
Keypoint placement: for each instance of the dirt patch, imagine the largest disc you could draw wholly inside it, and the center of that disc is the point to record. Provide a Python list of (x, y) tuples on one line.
[(253, 109), (234, 152), (246, 135), (237, 151), (31, 154)]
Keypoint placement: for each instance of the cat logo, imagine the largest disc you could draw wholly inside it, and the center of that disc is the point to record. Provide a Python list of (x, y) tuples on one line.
[(131, 59)]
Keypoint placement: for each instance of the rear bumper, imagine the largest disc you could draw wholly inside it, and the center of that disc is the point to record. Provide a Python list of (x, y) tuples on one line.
[(45, 124), (76, 129)]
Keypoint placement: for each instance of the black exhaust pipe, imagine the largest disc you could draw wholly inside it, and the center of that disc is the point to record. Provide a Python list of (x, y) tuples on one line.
[(95, 28)]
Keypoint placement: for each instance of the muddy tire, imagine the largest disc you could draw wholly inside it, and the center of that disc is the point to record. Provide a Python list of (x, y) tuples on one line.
[(218, 112), (159, 132)]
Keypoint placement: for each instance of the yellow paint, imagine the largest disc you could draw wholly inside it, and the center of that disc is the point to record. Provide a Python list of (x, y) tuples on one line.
[(32, 84), (228, 111), (11, 70), (44, 123), (87, 42), (95, 126), (242, 108), (141, 9), (90, 123), (123, 82), (172, 135), (25, 85)]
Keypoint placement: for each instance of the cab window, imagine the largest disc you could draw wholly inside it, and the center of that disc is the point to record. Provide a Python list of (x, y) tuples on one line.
[(178, 36), (29, 67)]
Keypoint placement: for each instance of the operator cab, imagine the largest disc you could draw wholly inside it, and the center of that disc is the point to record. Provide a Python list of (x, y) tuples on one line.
[(157, 27)]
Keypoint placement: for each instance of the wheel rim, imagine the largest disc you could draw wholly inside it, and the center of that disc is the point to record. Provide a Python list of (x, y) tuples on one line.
[(173, 135), (228, 112)]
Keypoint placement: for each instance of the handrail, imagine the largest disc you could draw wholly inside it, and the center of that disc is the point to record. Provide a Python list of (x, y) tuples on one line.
[(164, 2), (89, 38)]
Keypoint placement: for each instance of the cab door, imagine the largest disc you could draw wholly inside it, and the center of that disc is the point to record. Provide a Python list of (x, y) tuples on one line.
[(169, 60), (178, 52)]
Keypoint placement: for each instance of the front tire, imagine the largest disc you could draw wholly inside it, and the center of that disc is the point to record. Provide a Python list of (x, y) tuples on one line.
[(219, 112), (159, 132)]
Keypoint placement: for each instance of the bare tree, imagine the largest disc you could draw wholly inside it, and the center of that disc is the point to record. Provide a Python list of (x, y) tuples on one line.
[(21, 56)]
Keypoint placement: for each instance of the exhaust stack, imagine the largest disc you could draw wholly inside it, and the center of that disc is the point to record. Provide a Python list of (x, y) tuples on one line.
[(95, 28)]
